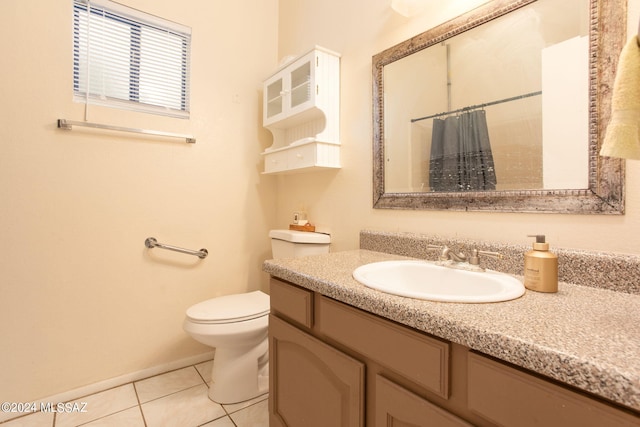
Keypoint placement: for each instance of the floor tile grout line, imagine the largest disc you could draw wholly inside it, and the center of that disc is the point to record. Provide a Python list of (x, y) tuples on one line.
[(171, 394), (168, 372), (144, 420), (199, 373), (248, 406), (104, 416)]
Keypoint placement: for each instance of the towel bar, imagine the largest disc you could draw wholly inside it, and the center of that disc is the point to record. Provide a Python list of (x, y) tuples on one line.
[(151, 242), (68, 124)]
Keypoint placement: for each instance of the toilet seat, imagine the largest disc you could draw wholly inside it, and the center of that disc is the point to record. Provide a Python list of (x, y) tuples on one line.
[(230, 308)]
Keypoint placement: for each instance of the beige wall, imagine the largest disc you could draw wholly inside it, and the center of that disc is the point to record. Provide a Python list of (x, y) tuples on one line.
[(81, 299), (342, 200)]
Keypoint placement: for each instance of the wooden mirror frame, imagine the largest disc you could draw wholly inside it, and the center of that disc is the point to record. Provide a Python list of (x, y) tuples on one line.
[(605, 195)]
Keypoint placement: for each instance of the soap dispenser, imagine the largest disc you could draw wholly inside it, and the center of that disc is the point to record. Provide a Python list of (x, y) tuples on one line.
[(541, 267)]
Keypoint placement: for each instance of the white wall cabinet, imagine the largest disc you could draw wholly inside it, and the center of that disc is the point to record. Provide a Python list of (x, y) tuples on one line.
[(301, 108)]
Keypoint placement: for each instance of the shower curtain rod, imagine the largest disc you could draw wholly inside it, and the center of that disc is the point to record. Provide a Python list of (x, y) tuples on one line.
[(68, 124), (473, 107)]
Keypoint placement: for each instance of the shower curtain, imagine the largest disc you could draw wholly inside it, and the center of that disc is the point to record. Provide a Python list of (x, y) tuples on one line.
[(461, 158)]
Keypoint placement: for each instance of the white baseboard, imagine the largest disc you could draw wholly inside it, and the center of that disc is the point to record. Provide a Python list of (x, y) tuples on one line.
[(77, 393)]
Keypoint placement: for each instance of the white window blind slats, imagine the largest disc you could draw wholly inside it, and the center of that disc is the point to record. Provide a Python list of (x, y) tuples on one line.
[(128, 62)]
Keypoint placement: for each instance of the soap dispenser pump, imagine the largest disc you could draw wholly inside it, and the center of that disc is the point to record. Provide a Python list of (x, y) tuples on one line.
[(541, 267)]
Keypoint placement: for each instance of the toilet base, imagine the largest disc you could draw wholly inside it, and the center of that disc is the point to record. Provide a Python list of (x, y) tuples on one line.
[(240, 374)]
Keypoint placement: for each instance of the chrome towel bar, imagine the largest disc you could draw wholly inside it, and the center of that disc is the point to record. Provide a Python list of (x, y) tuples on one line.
[(151, 243), (68, 124)]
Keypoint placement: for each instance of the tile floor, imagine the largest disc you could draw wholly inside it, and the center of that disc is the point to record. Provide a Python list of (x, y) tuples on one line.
[(177, 398)]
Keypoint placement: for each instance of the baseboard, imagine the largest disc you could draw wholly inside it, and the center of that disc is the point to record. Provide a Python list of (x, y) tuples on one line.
[(77, 393)]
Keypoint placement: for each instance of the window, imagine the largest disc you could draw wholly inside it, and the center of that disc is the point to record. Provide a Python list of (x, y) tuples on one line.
[(128, 59)]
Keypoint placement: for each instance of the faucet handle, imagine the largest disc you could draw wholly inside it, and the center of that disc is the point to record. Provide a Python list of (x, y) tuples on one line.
[(444, 251), (474, 259)]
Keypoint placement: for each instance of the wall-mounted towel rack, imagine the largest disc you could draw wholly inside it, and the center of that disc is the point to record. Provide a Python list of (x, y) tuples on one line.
[(151, 242), (68, 124)]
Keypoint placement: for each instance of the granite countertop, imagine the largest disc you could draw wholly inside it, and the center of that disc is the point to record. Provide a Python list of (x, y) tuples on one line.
[(582, 336)]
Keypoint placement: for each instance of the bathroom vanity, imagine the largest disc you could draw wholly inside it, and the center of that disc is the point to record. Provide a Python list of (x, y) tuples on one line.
[(342, 354)]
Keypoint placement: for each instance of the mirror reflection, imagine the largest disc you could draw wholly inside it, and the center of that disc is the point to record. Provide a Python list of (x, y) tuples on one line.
[(503, 106), (513, 64)]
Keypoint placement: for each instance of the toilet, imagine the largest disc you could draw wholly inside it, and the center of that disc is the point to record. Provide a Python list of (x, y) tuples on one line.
[(236, 325)]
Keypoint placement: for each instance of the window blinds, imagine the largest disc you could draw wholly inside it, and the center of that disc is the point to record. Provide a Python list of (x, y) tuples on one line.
[(128, 59)]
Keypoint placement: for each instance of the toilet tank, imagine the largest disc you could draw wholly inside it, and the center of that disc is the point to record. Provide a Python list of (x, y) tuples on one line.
[(295, 244)]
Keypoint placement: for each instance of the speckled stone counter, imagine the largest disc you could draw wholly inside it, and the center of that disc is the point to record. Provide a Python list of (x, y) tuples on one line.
[(617, 272), (583, 336)]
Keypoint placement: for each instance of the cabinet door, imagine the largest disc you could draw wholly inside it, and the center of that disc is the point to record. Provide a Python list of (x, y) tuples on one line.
[(302, 86), (311, 384), (398, 407), (290, 92), (274, 93)]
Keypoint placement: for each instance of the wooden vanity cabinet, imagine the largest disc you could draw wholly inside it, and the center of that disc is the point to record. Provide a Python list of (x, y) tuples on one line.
[(335, 365)]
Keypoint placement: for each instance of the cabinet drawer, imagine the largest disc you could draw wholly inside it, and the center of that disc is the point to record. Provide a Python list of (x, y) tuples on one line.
[(302, 157), (510, 397), (275, 162), (396, 405), (294, 303), (414, 355)]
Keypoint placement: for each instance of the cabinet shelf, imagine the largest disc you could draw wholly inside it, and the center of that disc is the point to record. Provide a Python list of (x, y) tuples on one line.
[(301, 103)]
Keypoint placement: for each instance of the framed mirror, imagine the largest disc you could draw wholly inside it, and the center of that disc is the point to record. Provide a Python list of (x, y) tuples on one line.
[(501, 109)]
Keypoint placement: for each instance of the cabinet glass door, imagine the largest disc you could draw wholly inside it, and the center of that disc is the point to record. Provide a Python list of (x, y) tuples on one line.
[(274, 98), (301, 84)]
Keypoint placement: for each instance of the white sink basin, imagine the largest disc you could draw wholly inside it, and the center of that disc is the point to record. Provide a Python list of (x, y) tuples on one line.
[(425, 280)]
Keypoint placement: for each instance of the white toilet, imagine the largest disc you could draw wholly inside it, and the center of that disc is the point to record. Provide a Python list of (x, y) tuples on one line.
[(236, 325)]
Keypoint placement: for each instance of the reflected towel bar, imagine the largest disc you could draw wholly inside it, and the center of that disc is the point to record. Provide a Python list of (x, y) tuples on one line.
[(68, 124), (151, 242)]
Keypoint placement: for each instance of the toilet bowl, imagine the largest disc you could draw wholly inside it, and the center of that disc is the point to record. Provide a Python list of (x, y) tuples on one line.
[(236, 325)]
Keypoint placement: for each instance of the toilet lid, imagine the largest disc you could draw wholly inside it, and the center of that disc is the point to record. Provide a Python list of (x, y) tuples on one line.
[(230, 308)]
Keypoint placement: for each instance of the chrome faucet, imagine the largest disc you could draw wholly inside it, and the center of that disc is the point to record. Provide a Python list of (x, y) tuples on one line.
[(448, 254), (449, 258)]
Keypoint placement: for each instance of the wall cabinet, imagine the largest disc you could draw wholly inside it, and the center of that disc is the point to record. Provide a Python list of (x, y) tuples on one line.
[(301, 108), (335, 365)]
